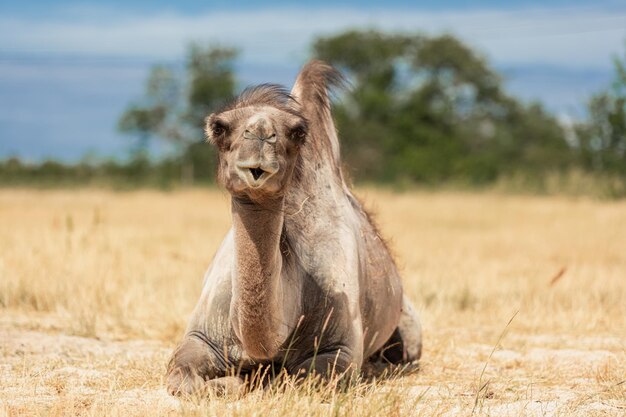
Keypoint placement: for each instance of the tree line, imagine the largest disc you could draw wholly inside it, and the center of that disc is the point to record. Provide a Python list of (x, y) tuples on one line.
[(419, 110)]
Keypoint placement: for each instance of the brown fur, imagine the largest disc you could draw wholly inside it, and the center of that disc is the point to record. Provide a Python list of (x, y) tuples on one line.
[(257, 236), (303, 278)]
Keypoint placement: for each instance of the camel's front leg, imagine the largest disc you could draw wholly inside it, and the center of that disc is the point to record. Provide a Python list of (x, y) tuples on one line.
[(196, 368)]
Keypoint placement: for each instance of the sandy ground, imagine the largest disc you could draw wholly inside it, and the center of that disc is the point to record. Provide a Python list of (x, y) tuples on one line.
[(42, 371), (96, 287), (48, 372)]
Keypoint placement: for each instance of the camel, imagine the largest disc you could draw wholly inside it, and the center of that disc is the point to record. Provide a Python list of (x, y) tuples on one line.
[(303, 278)]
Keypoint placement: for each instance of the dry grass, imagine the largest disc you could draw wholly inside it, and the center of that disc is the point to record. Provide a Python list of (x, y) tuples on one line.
[(95, 288)]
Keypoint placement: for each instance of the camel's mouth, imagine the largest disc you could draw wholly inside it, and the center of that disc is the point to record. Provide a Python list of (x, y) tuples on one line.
[(256, 173)]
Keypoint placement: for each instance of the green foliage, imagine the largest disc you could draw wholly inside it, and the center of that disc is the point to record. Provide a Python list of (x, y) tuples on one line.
[(603, 137), (152, 117), (429, 109), (142, 122), (139, 171), (211, 81)]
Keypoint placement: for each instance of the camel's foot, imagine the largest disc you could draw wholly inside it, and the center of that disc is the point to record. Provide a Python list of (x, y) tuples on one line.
[(227, 386), (336, 363), (183, 384)]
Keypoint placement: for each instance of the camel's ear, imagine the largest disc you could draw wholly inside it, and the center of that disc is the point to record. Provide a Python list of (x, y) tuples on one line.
[(216, 130)]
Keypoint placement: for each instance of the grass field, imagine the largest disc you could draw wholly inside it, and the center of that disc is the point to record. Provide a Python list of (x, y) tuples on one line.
[(96, 287)]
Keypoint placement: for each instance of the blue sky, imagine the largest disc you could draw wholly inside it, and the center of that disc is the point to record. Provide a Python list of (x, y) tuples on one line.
[(68, 69)]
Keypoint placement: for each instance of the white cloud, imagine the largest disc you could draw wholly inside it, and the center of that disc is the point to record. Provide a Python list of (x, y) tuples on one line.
[(574, 37)]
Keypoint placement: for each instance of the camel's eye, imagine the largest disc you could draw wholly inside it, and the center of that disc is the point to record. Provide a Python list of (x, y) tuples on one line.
[(298, 133), (218, 129)]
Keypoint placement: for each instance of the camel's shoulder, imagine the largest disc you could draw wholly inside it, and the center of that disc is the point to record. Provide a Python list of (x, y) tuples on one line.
[(220, 267)]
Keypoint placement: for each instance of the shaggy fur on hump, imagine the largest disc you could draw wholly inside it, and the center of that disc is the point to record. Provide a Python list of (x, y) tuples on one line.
[(316, 81), (322, 80)]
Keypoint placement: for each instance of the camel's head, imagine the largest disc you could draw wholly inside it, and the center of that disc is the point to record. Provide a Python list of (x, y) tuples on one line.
[(258, 139)]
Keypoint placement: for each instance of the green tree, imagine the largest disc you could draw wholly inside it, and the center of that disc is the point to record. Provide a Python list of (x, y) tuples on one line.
[(430, 109), (175, 104), (151, 118), (603, 137)]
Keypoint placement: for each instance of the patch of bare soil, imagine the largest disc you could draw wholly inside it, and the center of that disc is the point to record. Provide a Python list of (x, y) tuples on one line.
[(42, 371)]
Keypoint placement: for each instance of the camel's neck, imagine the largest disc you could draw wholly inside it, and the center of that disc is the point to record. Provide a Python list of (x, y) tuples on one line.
[(257, 303)]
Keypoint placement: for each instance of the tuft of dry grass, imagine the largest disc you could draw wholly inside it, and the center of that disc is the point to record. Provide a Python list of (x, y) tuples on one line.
[(96, 287)]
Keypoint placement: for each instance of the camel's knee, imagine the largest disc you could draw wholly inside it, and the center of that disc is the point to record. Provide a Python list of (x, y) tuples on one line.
[(183, 381), (192, 363)]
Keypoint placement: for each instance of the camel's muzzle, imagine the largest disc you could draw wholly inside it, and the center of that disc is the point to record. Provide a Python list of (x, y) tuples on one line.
[(255, 174)]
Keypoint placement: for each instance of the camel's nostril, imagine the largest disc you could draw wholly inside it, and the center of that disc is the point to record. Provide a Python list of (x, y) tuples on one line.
[(256, 173)]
